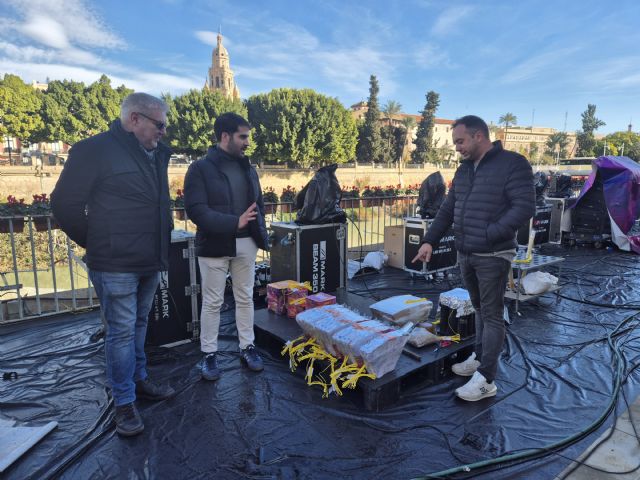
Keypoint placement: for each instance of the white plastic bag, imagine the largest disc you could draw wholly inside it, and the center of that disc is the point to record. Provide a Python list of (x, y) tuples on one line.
[(538, 282)]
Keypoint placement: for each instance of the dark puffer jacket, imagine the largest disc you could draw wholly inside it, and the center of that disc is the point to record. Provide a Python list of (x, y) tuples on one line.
[(127, 224), (207, 200), (487, 206)]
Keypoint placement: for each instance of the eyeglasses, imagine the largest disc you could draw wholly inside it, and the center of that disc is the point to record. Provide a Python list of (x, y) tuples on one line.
[(159, 125)]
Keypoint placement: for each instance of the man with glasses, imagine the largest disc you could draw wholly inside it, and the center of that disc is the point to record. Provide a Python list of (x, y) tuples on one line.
[(112, 198)]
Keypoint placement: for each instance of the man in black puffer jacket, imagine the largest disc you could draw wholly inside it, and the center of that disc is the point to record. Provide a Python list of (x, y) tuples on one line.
[(222, 196), (491, 196), (112, 198)]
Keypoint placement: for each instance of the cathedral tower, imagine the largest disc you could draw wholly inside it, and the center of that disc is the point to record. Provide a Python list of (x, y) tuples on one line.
[(220, 76)]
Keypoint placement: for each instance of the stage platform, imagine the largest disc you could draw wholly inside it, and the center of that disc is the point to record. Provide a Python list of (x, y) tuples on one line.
[(557, 377), (416, 366)]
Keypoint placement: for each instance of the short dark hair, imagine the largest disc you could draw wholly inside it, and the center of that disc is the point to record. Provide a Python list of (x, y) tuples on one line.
[(473, 124), (228, 123)]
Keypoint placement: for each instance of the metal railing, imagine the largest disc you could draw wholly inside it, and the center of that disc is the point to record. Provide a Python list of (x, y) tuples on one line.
[(366, 220), (42, 272)]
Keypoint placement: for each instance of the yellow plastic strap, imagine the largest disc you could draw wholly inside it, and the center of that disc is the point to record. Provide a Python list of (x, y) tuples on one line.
[(415, 300), (453, 338), (352, 379), (525, 260), (293, 284)]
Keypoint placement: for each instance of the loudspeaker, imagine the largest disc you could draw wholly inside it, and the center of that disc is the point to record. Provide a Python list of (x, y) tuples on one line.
[(444, 256), (174, 314), (310, 253)]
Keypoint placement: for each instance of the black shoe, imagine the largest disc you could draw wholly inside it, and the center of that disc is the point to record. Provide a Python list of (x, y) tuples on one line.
[(210, 370), (128, 420), (251, 358), (150, 390)]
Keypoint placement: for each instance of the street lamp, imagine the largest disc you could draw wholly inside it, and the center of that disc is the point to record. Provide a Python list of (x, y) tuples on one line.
[(8, 138)]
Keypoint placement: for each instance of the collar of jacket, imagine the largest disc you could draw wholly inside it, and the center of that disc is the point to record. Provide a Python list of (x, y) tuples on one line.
[(215, 154), (130, 139), (497, 148)]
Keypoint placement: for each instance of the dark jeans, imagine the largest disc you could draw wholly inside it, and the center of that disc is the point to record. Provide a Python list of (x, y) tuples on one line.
[(125, 300), (486, 280)]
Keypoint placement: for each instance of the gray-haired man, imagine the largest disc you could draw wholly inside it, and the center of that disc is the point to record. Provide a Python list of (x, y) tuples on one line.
[(112, 198)]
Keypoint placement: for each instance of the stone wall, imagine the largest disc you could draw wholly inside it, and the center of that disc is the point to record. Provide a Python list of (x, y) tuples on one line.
[(23, 182)]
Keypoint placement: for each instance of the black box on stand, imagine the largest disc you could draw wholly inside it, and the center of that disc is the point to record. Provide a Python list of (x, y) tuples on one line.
[(444, 256), (174, 314), (541, 225), (310, 253)]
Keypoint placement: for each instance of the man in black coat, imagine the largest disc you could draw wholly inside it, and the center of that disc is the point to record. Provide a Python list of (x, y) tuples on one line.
[(112, 199), (491, 196), (222, 196)]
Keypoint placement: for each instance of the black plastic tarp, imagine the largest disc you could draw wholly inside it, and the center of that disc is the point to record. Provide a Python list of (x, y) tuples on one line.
[(555, 378)]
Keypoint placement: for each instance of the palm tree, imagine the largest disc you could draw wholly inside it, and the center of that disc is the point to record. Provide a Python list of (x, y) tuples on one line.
[(557, 144), (507, 119), (409, 123), (390, 109)]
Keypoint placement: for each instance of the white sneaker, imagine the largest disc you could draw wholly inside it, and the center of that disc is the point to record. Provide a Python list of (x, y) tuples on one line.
[(466, 368), (476, 389)]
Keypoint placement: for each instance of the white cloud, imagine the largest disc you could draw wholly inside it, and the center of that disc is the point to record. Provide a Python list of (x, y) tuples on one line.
[(351, 68), (539, 65), (615, 74), (26, 53), (447, 22), (207, 37), (293, 35), (64, 19), (430, 56), (150, 82), (46, 31)]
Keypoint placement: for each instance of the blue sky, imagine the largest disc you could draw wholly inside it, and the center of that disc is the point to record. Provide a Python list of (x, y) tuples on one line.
[(482, 57)]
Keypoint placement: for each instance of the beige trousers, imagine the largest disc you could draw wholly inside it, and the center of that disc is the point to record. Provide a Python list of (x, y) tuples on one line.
[(213, 272)]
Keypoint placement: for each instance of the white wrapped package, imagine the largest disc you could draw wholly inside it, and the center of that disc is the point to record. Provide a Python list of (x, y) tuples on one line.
[(324, 322), (348, 340), (421, 336), (402, 309), (381, 353), (458, 300)]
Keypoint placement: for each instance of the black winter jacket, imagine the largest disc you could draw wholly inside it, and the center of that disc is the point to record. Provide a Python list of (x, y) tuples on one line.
[(487, 206), (107, 201), (207, 200)]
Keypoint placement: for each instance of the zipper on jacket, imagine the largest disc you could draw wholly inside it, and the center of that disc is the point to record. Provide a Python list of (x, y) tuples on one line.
[(472, 177)]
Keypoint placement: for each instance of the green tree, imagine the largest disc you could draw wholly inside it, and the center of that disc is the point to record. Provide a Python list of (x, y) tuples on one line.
[(20, 106), (72, 111), (534, 149), (620, 143), (370, 144), (301, 128), (585, 137), (191, 116), (424, 137), (390, 109), (508, 119), (103, 104), (408, 124), (556, 145)]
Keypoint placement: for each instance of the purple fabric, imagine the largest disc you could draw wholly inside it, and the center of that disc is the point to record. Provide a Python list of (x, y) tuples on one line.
[(621, 178)]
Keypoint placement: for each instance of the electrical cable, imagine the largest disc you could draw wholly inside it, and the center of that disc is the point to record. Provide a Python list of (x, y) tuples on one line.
[(529, 454)]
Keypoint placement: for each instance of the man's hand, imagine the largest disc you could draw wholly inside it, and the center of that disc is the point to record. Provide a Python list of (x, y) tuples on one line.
[(248, 216), (424, 254)]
